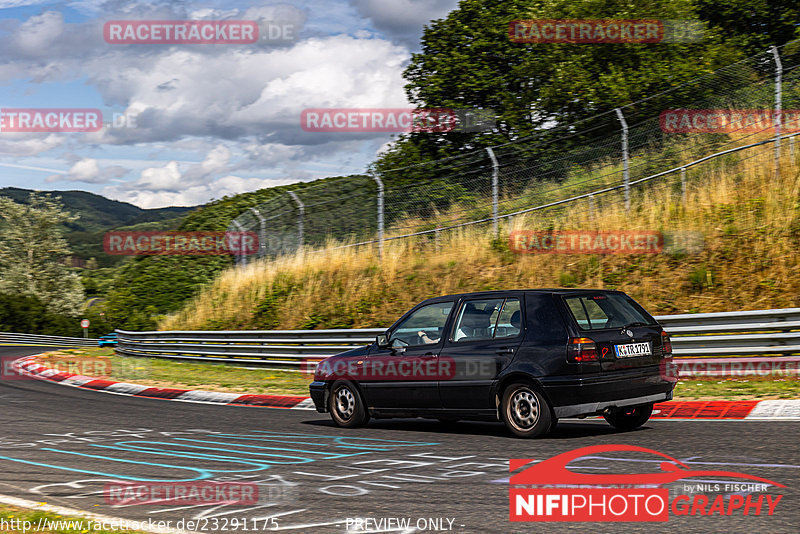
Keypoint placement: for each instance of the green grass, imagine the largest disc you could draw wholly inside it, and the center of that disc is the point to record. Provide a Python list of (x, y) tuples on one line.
[(738, 388), (12, 516), (235, 378)]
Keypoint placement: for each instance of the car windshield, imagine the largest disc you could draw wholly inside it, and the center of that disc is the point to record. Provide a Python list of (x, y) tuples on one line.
[(596, 312), (423, 326)]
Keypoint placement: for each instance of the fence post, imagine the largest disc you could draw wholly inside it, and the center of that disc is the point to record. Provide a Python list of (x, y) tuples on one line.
[(683, 185), (591, 207), (242, 256), (262, 234), (778, 110), (625, 170), (380, 214), (495, 191), (301, 215)]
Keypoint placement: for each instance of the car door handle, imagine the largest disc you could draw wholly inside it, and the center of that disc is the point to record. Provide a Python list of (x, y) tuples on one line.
[(505, 350)]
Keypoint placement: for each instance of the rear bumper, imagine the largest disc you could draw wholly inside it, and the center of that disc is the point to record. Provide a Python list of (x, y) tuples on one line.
[(317, 392), (594, 407), (590, 394)]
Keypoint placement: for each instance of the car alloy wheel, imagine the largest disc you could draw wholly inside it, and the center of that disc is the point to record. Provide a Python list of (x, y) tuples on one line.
[(345, 405), (525, 411)]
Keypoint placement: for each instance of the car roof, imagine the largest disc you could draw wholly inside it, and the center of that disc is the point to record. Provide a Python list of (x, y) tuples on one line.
[(503, 292)]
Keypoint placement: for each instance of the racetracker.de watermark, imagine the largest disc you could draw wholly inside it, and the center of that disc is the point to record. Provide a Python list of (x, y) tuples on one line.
[(785, 367), (69, 365), (187, 493), (605, 31), (180, 243), (728, 120), (197, 32), (614, 242), (38, 120), (396, 120)]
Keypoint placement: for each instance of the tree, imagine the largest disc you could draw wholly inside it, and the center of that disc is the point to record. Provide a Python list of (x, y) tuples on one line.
[(32, 251), (468, 61), (753, 25)]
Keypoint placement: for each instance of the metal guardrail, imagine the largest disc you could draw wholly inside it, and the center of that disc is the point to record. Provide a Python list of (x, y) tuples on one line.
[(36, 339), (703, 335)]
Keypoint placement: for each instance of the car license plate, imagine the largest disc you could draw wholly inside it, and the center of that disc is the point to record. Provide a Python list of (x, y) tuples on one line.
[(633, 349)]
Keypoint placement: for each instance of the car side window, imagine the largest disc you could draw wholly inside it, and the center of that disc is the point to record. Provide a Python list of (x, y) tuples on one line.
[(424, 326), (488, 319), (509, 323)]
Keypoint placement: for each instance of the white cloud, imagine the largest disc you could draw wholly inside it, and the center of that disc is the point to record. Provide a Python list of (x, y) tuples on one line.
[(87, 170), (238, 107), (403, 20), (249, 93), (18, 145), (192, 195), (40, 31)]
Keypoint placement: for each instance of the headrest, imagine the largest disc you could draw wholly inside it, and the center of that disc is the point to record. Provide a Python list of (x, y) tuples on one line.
[(475, 319), (516, 319)]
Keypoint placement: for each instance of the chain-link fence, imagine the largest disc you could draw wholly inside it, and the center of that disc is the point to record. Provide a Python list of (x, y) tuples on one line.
[(611, 155)]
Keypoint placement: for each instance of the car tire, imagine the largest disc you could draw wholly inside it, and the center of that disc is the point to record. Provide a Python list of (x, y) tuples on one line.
[(525, 411), (553, 424), (346, 405), (629, 417)]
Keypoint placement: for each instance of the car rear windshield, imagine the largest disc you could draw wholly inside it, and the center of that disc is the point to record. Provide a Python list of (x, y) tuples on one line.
[(613, 310)]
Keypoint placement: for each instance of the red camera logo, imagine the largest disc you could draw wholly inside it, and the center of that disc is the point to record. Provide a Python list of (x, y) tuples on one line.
[(180, 243), (549, 491)]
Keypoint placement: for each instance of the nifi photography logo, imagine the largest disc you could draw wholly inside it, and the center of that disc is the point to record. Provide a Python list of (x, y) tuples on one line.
[(548, 490)]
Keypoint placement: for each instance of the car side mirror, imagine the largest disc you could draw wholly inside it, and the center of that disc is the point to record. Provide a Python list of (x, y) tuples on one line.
[(382, 341)]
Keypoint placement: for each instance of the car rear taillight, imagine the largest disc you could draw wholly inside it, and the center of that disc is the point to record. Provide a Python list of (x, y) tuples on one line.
[(581, 349), (666, 344)]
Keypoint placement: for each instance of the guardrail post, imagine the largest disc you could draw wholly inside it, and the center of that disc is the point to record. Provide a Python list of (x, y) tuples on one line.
[(625, 169), (495, 191), (301, 215), (778, 108), (262, 234), (380, 214)]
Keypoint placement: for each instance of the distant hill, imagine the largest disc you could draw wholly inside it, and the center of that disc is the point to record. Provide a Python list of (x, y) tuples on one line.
[(98, 213)]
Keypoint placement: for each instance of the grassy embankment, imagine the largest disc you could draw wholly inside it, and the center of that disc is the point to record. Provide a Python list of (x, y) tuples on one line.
[(750, 221)]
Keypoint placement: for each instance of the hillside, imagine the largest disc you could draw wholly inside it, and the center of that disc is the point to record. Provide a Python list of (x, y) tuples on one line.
[(148, 287), (98, 213), (750, 221)]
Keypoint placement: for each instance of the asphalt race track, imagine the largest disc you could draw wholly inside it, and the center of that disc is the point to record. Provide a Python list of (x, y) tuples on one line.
[(62, 445)]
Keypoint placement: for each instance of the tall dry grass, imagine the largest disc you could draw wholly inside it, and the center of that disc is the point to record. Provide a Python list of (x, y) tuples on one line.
[(750, 220)]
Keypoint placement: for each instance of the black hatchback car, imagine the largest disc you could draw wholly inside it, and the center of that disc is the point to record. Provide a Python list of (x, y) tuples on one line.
[(525, 357)]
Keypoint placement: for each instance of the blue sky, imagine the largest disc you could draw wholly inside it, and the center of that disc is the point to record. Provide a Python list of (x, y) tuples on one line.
[(210, 120)]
